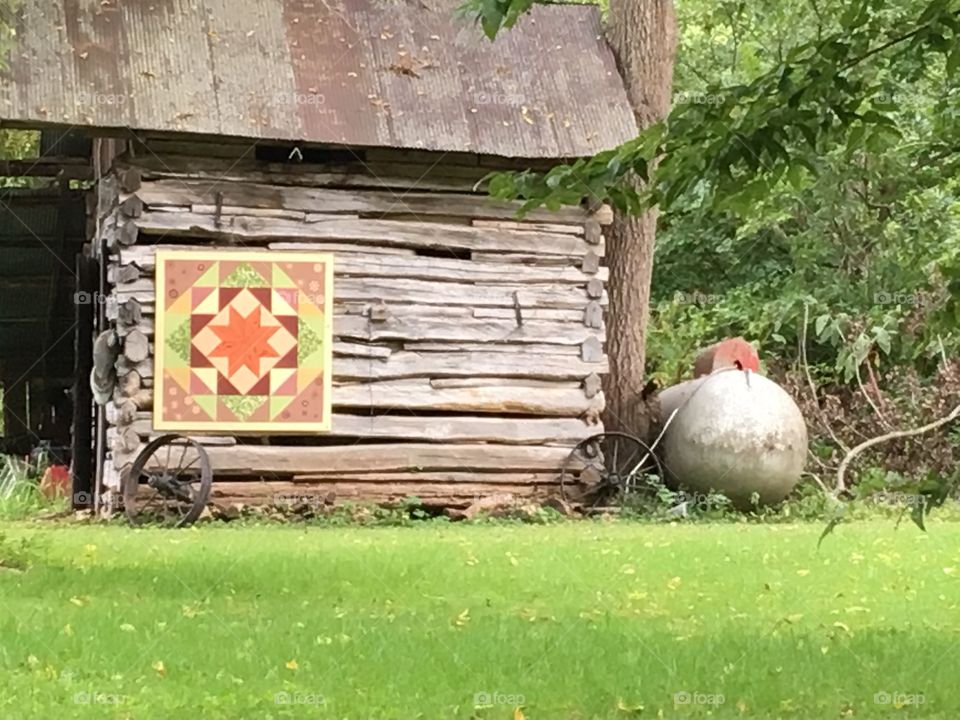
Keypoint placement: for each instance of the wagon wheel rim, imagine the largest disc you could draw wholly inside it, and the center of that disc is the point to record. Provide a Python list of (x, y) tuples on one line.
[(619, 464), (169, 483)]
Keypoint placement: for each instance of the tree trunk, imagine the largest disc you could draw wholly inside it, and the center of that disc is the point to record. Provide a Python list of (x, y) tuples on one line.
[(643, 36)]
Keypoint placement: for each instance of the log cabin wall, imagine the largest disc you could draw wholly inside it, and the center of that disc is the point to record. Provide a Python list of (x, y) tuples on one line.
[(468, 345)]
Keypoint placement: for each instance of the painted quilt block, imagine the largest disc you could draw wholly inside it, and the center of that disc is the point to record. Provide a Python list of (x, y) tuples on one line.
[(243, 341)]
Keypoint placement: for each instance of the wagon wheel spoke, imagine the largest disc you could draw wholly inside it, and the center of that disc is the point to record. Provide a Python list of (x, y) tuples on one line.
[(601, 469), (180, 490)]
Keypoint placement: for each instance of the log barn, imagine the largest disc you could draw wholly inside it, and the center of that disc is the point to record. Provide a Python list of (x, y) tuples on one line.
[(467, 342)]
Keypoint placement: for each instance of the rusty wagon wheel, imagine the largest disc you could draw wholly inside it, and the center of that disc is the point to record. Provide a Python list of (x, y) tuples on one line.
[(610, 468), (169, 483)]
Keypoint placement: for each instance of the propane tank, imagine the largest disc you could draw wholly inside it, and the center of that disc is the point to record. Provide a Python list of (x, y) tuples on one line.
[(734, 432)]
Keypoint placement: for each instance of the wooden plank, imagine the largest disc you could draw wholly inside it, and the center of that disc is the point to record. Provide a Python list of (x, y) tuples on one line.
[(493, 397), (367, 231), (438, 325), (376, 176), (530, 226), (531, 348), (528, 313), (405, 364), (444, 493), (372, 261), (257, 460), (463, 395), (342, 348), (243, 193), (427, 292), (447, 428), (413, 323)]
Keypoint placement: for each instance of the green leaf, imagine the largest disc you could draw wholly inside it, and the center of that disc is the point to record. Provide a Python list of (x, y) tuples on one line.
[(953, 61), (835, 521)]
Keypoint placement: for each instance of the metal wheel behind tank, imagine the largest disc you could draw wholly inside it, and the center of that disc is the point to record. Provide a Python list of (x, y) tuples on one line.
[(610, 468)]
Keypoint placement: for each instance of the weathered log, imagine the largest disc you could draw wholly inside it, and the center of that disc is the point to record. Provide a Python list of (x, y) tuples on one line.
[(123, 440), (591, 350), (127, 232), (129, 384), (591, 265), (592, 385), (529, 226), (365, 350), (442, 492), (410, 323), (129, 313), (136, 347), (368, 261), (129, 180), (405, 364), (494, 397), (593, 315), (369, 231), (529, 349), (257, 460), (372, 202), (122, 273), (218, 173), (447, 428), (144, 369), (131, 206), (466, 395), (593, 233)]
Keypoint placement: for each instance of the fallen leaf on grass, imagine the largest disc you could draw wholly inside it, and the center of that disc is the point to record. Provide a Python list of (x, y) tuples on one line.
[(292, 665), (159, 667), (623, 707), (127, 627), (463, 618), (518, 714)]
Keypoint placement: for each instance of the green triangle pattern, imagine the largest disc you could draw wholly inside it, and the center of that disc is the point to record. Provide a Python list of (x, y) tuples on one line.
[(243, 406), (281, 279), (210, 278), (244, 276), (207, 403)]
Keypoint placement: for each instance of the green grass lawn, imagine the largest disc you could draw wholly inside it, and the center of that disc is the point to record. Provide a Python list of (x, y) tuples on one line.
[(578, 620)]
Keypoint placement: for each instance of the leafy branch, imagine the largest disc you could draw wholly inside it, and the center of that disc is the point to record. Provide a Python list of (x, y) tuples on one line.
[(746, 139)]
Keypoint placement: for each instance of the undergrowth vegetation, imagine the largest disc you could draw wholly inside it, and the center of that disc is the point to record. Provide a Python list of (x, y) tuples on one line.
[(845, 277)]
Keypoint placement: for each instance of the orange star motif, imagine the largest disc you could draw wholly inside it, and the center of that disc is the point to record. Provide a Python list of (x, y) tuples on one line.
[(244, 341)]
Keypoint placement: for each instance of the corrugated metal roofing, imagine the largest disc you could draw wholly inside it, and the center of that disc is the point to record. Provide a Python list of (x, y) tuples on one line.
[(374, 73)]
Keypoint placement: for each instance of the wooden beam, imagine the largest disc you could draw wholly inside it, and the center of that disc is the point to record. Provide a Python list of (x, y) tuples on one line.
[(509, 431)]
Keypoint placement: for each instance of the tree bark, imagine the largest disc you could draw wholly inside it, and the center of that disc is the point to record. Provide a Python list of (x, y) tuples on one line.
[(643, 36)]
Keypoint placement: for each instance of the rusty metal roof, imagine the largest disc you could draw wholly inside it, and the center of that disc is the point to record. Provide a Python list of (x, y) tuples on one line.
[(369, 73)]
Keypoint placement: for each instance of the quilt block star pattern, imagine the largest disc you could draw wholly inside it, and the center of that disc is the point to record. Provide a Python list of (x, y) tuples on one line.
[(243, 341)]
